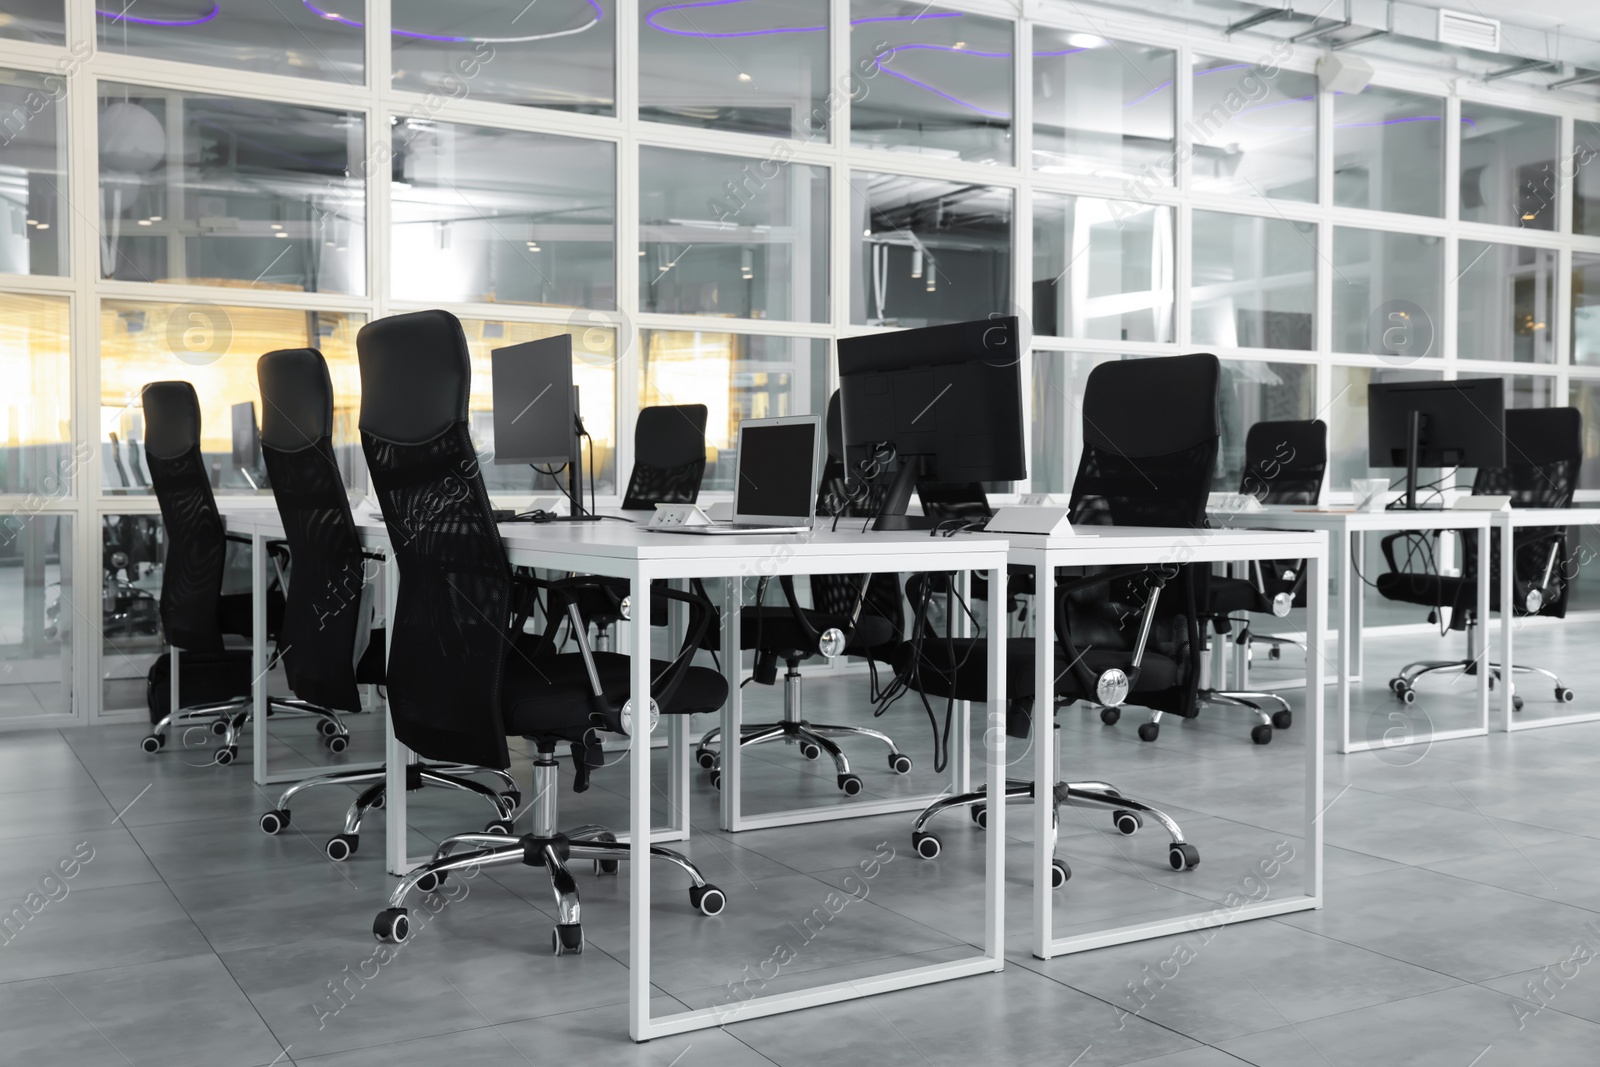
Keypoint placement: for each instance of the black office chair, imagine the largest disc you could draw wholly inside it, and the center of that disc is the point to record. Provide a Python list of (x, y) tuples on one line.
[(1284, 463), (325, 616), (669, 448), (1544, 450), (844, 619), (1125, 635), (462, 672), (195, 615)]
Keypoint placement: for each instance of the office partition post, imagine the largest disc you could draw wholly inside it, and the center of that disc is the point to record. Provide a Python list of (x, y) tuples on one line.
[(994, 860), (1508, 617), (639, 808)]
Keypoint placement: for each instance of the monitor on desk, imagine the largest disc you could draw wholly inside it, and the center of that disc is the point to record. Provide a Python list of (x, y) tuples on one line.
[(947, 399), (536, 415), (1435, 424)]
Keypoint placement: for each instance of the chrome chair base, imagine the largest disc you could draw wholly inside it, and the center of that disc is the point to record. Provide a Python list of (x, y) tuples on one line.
[(227, 719), (1251, 700), (1404, 683)]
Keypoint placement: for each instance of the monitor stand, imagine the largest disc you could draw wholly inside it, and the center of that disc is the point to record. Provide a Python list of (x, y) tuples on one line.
[(892, 515), (575, 470)]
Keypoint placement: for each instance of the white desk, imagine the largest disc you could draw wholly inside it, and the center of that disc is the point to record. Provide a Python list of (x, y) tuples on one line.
[(1121, 546), (1507, 523), (1346, 528)]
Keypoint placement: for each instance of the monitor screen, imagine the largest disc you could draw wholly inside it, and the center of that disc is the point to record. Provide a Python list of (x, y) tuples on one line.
[(533, 405), (776, 467)]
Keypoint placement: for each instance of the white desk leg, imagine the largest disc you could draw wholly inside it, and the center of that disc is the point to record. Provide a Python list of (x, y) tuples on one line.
[(960, 754), (639, 813), (395, 755), (1508, 618), (1486, 553), (1358, 658), (994, 896), (678, 767), (1349, 599), (258, 656), (732, 710), (1044, 757), (1316, 649)]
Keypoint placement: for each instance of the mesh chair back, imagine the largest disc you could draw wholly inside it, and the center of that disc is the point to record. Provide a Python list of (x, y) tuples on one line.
[(670, 446), (450, 631), (323, 615), (191, 583), (1284, 461)]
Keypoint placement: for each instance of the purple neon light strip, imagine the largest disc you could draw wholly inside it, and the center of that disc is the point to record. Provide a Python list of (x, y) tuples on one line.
[(123, 16), (333, 17)]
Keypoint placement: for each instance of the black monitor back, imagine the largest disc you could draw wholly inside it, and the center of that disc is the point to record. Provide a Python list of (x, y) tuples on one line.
[(1463, 423)]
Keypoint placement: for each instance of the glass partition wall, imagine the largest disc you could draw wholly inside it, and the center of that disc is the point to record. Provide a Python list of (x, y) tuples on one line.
[(705, 198)]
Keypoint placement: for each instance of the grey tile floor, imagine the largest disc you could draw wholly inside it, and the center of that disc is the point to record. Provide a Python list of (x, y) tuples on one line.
[(1461, 922)]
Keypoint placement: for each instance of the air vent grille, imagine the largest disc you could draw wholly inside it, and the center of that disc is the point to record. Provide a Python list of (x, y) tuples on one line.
[(1469, 31)]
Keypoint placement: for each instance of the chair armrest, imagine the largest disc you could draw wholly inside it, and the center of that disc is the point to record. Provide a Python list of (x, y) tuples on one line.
[(1159, 576)]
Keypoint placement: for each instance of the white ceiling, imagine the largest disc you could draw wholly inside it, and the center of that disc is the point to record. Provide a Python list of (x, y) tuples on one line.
[(1578, 16)]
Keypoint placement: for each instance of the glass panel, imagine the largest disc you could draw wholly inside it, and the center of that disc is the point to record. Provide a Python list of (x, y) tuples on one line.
[(1347, 424), (1507, 303), (929, 251), (948, 90), (1254, 282), (594, 372), (217, 190), (1584, 168), (1388, 151), (1585, 396), (502, 216), (1048, 421), (1508, 161), (758, 249), (736, 377), (300, 38), (1254, 391), (1101, 107), (1254, 134), (1387, 293), (42, 21), (132, 561), (1586, 308), (215, 348), (1102, 268), (32, 173), (36, 617), (36, 451), (560, 54), (756, 66)]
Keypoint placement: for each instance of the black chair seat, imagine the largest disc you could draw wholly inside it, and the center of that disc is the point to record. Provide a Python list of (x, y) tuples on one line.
[(1432, 590), (776, 629), (1227, 596), (971, 681), (234, 613), (549, 696)]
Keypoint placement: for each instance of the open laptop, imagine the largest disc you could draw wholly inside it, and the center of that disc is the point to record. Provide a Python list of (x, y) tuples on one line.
[(775, 478)]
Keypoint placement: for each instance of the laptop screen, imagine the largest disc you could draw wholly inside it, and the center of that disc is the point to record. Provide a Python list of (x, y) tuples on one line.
[(775, 470)]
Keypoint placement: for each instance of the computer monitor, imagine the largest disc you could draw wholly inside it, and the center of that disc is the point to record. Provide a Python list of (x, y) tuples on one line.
[(948, 399), (1435, 424), (247, 445), (536, 417)]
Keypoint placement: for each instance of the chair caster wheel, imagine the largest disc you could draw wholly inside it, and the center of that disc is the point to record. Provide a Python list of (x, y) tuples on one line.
[(1516, 703), (1060, 873), (706, 759), (327, 727), (510, 801), (431, 882), (392, 926), (377, 802), (219, 727), (1126, 822), (1184, 857), (274, 821), (707, 899), (606, 866), (341, 847), (1395, 685), (1109, 716), (899, 763), (1564, 695), (716, 780), (927, 845), (1274, 652), (810, 751), (227, 754), (567, 939), (153, 743), (851, 785), (499, 826), (337, 743), (1149, 731), (1408, 695), (1261, 734), (1282, 720), (980, 815)]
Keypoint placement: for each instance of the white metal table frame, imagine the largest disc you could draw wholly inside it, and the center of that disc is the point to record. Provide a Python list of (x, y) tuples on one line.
[(1346, 530), (1507, 523), (1122, 546)]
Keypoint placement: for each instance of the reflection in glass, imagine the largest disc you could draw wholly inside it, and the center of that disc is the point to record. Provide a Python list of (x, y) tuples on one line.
[(1388, 151), (215, 348), (1583, 169), (1387, 293), (32, 173), (132, 561), (1585, 396), (1255, 391), (928, 251), (299, 38), (1102, 269), (1047, 423), (36, 453), (737, 377), (1586, 308), (41, 21), (1347, 423), (752, 66), (1101, 107), (1507, 303), (503, 216), (270, 195), (558, 54), (1254, 135), (931, 81), (1254, 282), (594, 373), (1508, 166), (732, 236), (36, 617)]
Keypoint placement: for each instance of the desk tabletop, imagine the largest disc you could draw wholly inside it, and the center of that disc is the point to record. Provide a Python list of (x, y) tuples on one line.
[(1291, 517)]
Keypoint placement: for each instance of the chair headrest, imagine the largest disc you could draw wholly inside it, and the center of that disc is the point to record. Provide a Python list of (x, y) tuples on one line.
[(416, 375), (1152, 407), (1306, 438), (296, 398), (671, 435), (1541, 436), (172, 418)]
